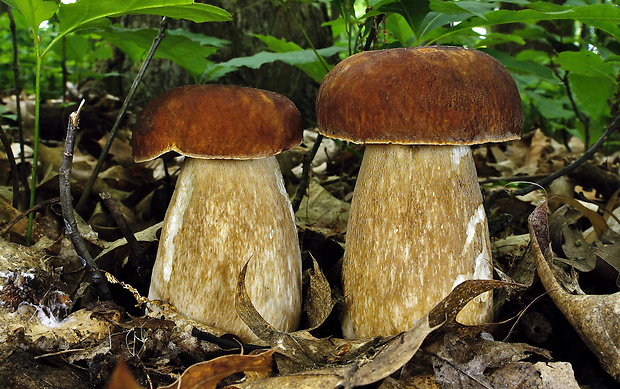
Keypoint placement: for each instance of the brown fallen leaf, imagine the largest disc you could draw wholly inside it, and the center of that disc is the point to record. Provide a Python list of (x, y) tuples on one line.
[(300, 381), (318, 303), (479, 362), (352, 362), (122, 378), (206, 375), (596, 318)]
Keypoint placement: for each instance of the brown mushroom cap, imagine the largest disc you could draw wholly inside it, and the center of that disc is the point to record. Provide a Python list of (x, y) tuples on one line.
[(217, 121), (427, 95)]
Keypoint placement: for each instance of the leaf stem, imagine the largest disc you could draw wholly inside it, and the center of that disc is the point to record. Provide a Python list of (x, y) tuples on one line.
[(319, 56), (35, 146)]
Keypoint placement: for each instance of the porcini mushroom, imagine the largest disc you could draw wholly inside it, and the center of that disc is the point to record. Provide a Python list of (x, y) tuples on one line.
[(417, 226), (229, 205)]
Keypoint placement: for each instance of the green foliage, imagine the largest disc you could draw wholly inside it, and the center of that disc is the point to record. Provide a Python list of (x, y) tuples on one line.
[(86, 14), (179, 46), (564, 57), (287, 52)]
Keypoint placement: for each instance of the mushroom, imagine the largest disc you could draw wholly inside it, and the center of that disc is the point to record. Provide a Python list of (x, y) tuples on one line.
[(229, 205), (417, 226)]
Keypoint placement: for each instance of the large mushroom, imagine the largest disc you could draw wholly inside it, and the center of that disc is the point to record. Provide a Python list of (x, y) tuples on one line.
[(417, 226), (229, 205)]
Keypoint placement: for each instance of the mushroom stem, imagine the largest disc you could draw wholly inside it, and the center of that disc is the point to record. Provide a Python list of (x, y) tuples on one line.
[(417, 228), (222, 214)]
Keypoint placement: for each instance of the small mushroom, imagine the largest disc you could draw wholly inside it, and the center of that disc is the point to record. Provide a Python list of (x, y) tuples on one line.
[(417, 226), (229, 205)]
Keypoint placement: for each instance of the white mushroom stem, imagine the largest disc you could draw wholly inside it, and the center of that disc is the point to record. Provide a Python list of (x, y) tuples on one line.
[(417, 228), (222, 214)]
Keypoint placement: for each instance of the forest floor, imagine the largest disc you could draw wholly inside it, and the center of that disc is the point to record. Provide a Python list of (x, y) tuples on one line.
[(557, 328)]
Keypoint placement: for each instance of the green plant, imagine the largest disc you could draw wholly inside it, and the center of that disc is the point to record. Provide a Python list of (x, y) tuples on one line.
[(86, 14), (565, 57)]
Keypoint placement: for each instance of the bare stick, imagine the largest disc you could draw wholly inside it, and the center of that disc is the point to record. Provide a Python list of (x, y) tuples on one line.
[(305, 175), (569, 168), (569, 93), (132, 91), (138, 254), (18, 108), (14, 172), (94, 275)]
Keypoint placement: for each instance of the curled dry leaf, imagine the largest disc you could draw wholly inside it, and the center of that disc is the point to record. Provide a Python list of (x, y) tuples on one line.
[(206, 375), (596, 318), (314, 363), (318, 303)]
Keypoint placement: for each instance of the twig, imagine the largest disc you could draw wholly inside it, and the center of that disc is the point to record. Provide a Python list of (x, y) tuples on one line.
[(569, 93), (138, 254), (14, 172), (569, 168), (132, 91), (19, 217), (373, 35), (305, 175), (62, 352), (92, 272), (18, 108), (224, 343), (490, 180)]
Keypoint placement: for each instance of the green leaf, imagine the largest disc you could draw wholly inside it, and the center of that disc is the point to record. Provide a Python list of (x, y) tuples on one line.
[(89, 13), (525, 67), (553, 109), (311, 65), (177, 47), (603, 16), (304, 59), (592, 94), (478, 8), (398, 26), (586, 63), (414, 11), (204, 40), (35, 11)]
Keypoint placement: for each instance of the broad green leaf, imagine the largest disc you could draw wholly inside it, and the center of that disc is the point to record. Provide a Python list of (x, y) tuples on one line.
[(86, 13), (435, 20), (76, 47), (200, 38), (314, 68), (414, 11), (496, 38), (296, 58), (196, 12), (592, 94), (526, 67), (478, 8), (603, 16), (586, 63), (187, 53), (553, 109), (398, 26), (35, 11)]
